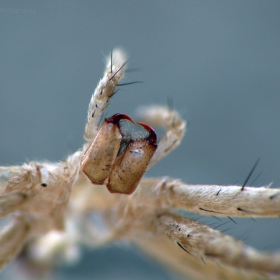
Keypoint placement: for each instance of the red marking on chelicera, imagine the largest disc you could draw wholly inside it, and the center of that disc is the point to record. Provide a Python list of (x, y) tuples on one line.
[(117, 117), (152, 134)]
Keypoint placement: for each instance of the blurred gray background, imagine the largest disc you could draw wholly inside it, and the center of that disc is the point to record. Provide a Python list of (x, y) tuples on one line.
[(218, 61)]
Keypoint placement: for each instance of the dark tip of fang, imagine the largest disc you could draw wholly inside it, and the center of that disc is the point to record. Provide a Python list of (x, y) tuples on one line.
[(117, 117), (152, 134)]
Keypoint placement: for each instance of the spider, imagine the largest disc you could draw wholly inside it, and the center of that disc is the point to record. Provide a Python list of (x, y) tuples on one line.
[(52, 207)]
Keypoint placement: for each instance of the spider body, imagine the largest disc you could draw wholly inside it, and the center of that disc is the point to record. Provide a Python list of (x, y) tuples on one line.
[(49, 204)]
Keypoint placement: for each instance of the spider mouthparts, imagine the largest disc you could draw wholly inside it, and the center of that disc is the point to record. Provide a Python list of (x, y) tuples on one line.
[(132, 163), (152, 134), (102, 152), (102, 162)]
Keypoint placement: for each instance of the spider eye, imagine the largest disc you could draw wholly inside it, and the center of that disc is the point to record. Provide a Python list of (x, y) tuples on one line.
[(132, 163), (102, 152)]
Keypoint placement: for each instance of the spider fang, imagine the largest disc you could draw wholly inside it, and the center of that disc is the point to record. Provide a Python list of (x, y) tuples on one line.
[(102, 152)]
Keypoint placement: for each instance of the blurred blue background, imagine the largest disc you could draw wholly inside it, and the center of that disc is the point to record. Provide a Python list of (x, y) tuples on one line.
[(218, 61)]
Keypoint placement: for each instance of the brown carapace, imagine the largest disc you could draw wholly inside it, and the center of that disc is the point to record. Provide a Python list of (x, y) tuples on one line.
[(123, 169)]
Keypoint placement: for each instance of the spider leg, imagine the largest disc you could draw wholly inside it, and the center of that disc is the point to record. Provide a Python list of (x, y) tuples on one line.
[(12, 238), (168, 119), (105, 89), (17, 186), (163, 249), (214, 199), (201, 241), (13, 202), (37, 195)]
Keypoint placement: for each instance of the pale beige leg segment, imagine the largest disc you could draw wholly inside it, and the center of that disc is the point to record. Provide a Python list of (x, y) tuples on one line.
[(162, 249), (215, 200), (204, 242), (168, 119), (12, 238), (105, 89), (13, 202)]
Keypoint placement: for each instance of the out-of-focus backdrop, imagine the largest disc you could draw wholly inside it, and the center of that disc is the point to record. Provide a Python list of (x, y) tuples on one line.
[(216, 61)]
